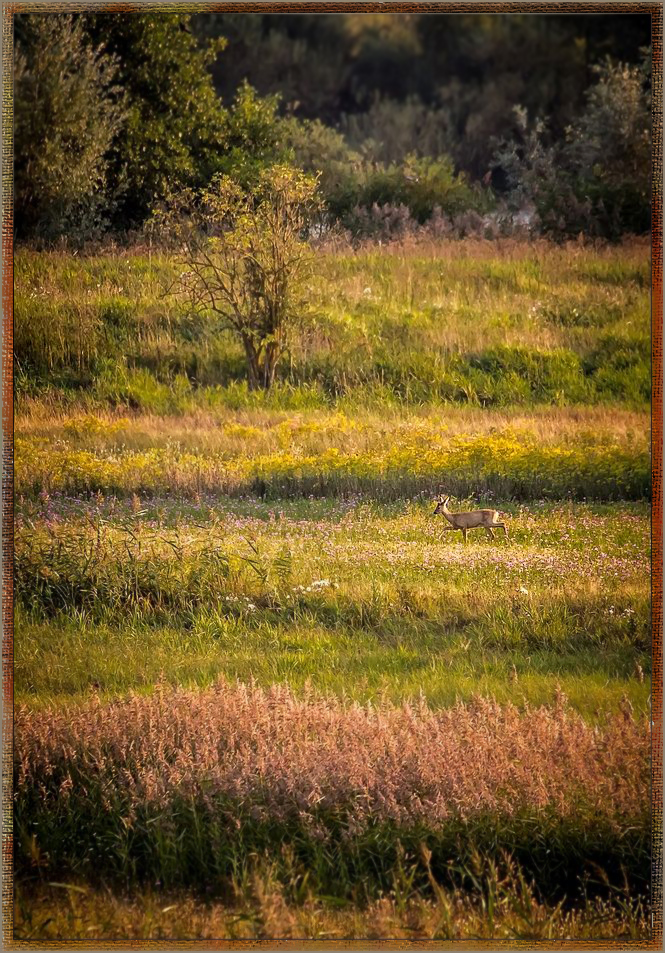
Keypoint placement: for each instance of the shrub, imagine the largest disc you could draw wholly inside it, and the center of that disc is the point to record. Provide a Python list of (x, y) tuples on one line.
[(390, 130), (597, 182), (68, 109), (246, 260)]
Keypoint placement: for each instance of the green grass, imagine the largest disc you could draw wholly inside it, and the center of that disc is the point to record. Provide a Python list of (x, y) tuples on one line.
[(63, 662), (360, 599), (468, 323)]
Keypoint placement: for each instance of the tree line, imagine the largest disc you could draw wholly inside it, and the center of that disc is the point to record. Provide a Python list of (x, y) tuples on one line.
[(406, 119)]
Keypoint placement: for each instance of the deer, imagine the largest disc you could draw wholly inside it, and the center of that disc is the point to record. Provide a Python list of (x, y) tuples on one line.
[(488, 519)]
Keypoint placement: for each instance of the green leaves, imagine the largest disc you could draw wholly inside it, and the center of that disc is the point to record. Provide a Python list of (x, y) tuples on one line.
[(176, 121), (68, 110), (270, 571), (244, 258), (597, 180)]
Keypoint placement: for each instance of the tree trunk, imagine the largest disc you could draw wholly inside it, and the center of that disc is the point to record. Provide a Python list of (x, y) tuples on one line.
[(270, 365), (253, 366), (261, 364)]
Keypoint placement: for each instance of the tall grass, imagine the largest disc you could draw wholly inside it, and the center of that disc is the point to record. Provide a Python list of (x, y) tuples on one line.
[(185, 787), (462, 322), (507, 465)]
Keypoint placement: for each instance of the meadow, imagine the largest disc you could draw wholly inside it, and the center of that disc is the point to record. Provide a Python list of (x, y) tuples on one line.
[(259, 688)]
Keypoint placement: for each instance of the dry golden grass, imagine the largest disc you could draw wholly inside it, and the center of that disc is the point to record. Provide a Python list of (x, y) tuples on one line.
[(266, 430), (80, 913)]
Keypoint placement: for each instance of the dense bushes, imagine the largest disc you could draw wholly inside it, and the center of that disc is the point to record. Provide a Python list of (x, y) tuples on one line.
[(69, 107), (159, 124), (375, 198), (596, 180)]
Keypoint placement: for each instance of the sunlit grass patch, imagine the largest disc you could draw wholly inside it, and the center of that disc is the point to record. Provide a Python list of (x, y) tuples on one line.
[(236, 767), (400, 325), (356, 597), (509, 465)]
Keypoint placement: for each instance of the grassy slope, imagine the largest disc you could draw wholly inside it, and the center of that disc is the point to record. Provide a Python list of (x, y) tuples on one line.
[(472, 322)]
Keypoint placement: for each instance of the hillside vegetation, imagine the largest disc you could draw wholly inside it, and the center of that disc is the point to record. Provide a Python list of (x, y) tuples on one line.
[(479, 323)]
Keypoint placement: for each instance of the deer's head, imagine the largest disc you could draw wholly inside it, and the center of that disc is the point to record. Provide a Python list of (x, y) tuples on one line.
[(441, 505)]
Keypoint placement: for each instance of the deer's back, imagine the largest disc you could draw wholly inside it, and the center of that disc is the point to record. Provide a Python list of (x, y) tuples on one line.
[(477, 517)]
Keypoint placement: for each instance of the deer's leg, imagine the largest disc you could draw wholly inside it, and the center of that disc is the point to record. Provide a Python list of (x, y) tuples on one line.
[(464, 532), (489, 532), (503, 527)]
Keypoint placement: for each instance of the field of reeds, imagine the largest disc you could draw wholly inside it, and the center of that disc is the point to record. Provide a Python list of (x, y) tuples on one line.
[(261, 691)]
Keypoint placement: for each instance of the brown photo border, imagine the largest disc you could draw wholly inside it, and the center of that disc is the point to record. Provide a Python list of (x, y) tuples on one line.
[(655, 10)]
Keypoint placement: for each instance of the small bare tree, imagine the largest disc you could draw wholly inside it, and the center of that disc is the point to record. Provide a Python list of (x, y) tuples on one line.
[(246, 259)]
